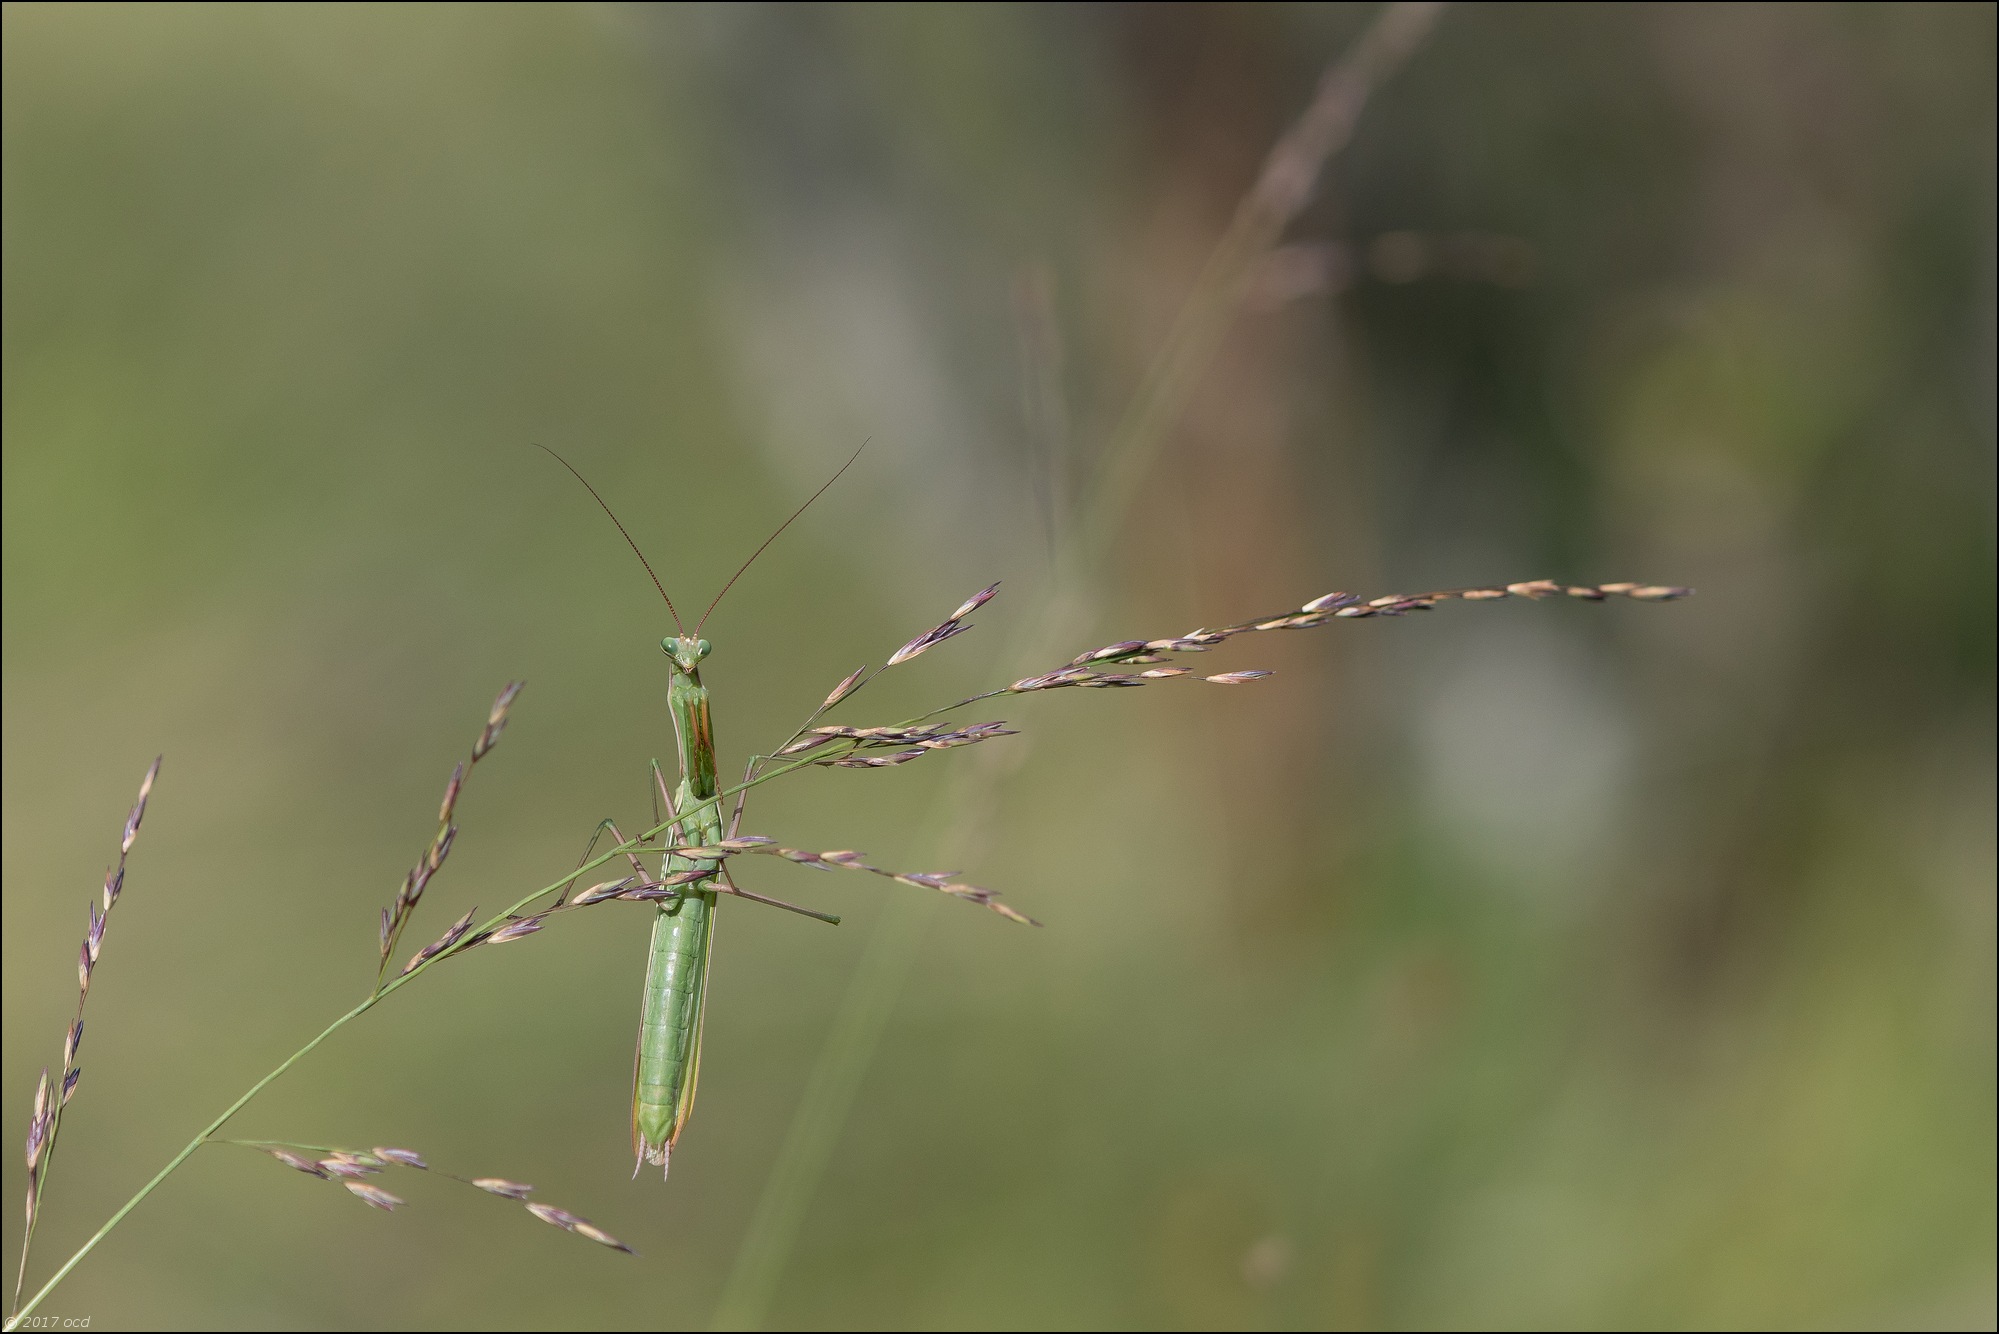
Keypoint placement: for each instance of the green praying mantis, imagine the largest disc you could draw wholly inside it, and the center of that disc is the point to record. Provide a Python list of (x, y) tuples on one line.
[(694, 858)]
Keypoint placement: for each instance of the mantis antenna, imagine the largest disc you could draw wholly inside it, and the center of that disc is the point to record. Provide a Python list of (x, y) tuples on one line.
[(635, 546), (772, 538)]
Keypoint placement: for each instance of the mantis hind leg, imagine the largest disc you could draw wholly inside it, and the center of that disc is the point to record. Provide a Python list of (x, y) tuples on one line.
[(597, 833)]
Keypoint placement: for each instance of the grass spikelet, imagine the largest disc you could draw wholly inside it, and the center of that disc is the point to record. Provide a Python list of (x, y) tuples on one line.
[(297, 1162), (609, 889), (38, 1122), (374, 1195), (518, 929), (582, 1227), (513, 1190), (454, 934), (844, 689)]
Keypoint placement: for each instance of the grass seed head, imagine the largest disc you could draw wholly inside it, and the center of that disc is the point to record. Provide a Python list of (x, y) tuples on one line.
[(453, 934), (873, 761), (609, 889), (591, 1232), (518, 929), (451, 790), (441, 848), (974, 602), (496, 720), (582, 1227), (404, 1157), (374, 1195), (297, 1162), (505, 701), (926, 641), (139, 808), (649, 892), (513, 1190), (38, 1121), (844, 689)]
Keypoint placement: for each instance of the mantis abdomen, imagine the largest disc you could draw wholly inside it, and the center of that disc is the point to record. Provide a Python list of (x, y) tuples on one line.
[(670, 1023)]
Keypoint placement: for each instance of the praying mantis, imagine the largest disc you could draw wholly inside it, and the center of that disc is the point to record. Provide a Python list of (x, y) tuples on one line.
[(694, 873)]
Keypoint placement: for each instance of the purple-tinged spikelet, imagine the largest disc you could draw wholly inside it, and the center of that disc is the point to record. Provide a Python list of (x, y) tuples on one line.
[(451, 937), (38, 1122), (518, 929), (374, 1195), (845, 688), (297, 1162), (582, 1227), (513, 1190), (451, 790)]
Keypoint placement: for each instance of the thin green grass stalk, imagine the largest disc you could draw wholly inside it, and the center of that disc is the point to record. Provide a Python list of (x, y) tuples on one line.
[(1281, 190)]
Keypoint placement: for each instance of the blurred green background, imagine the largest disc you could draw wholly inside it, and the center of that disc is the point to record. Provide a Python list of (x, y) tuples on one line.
[(1510, 966)]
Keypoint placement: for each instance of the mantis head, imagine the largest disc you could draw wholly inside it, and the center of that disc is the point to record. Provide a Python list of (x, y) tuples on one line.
[(685, 653)]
